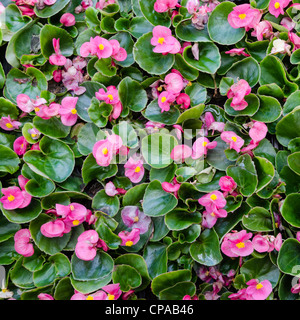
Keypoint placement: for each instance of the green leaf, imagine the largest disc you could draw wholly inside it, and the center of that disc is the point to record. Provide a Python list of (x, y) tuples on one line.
[(108, 205), (8, 253), (9, 161), (158, 202), (178, 291), (52, 128), (288, 127), (55, 161), (151, 62), (219, 29), (134, 195), (127, 277), (156, 258), (7, 229), (185, 31), (49, 11), (179, 219), (99, 112), (289, 257), (294, 162), (289, 209), (155, 18), (207, 250), (20, 276), (269, 110), (127, 133), (258, 219), (265, 172)]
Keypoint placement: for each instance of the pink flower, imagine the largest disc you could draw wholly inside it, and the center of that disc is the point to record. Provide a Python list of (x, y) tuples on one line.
[(57, 75), (165, 5), (136, 219), (86, 247), (99, 295), (20, 145), (153, 127), (278, 242), (54, 228), (57, 58), (22, 243), (134, 169), (178, 130), (27, 105), (288, 23), (34, 133), (46, 112), (6, 123), (237, 244), (184, 100), (129, 238), (181, 152), (276, 7), (45, 296), (73, 214), (210, 217), (187, 297), (240, 295), (258, 290), (165, 99), (68, 19), (258, 131), (118, 53), (227, 184), (103, 152), (110, 189), (49, 2), (98, 46), (243, 16), (213, 201), (296, 288), (163, 41), (192, 6), (262, 243), (200, 147), (237, 92), (68, 111), (104, 3), (200, 18), (172, 187), (235, 142), (174, 83), (295, 40), (237, 52), (111, 96), (263, 29), (113, 291)]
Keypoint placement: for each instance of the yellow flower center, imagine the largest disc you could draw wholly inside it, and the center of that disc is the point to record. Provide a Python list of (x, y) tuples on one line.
[(9, 125), (190, 84), (233, 139), (213, 214), (33, 135), (101, 46), (36, 109), (4, 290), (277, 5), (213, 197), (242, 16), (105, 151), (72, 207), (75, 222), (159, 88), (161, 40), (163, 99), (204, 144), (259, 286), (136, 219), (129, 243), (137, 169), (110, 97), (240, 245), (74, 111), (111, 297), (89, 298), (11, 198), (276, 224)]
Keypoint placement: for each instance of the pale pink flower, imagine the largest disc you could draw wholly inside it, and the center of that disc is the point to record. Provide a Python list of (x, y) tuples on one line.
[(20, 145), (276, 7), (165, 5), (73, 214), (235, 142), (263, 30), (237, 244), (165, 100), (110, 189), (104, 3), (99, 295), (178, 130), (181, 152), (57, 58), (262, 243), (8, 124), (193, 6), (163, 41), (243, 16), (134, 218), (240, 295), (200, 147), (129, 238), (172, 187), (103, 152), (28, 105), (295, 40), (258, 290), (49, 2), (57, 75), (258, 131), (209, 218), (22, 243), (200, 18), (296, 288), (68, 111), (237, 92), (278, 242), (45, 296), (288, 23), (68, 19), (153, 127), (134, 169), (47, 112), (237, 52)]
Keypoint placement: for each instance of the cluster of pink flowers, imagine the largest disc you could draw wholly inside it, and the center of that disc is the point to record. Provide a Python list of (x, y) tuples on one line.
[(27, 6), (165, 5), (103, 48), (173, 84), (67, 108), (16, 197), (111, 96), (72, 75), (67, 216), (237, 92), (164, 42), (214, 202), (256, 290)]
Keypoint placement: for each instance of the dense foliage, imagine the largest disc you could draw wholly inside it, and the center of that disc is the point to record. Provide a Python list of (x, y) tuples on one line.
[(149, 149)]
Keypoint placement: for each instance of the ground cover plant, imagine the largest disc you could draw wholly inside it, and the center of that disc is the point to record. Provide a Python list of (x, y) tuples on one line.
[(149, 150)]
